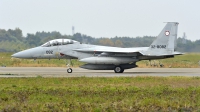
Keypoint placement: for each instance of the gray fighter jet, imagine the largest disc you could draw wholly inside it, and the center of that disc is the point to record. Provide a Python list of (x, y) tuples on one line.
[(104, 57)]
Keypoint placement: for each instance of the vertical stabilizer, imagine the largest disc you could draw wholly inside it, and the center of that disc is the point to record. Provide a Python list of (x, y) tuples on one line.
[(165, 42)]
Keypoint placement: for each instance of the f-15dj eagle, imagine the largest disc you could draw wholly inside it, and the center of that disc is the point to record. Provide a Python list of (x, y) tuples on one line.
[(104, 57)]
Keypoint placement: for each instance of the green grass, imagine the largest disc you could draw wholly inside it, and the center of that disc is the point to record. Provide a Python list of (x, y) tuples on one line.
[(100, 94), (189, 60)]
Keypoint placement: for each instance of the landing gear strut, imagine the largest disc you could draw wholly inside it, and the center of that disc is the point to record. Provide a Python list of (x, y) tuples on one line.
[(118, 69), (69, 70)]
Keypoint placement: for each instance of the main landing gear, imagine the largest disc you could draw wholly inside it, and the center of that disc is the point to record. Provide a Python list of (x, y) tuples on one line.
[(69, 70), (118, 69)]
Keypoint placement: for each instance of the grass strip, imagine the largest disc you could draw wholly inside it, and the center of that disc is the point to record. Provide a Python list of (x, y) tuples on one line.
[(100, 94)]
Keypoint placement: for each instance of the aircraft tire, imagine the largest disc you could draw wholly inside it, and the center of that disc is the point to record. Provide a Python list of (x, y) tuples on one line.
[(122, 70), (69, 70), (118, 69)]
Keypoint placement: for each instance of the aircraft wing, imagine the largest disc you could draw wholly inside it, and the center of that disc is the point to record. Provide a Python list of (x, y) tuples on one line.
[(112, 50)]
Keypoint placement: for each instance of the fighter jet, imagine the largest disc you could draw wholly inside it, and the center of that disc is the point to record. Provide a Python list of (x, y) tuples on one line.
[(104, 57)]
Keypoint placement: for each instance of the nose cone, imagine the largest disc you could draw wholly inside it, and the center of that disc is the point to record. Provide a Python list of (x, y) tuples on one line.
[(22, 54), (26, 54), (29, 53)]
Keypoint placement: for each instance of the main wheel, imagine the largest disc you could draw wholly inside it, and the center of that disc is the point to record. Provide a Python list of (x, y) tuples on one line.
[(122, 70), (118, 69), (69, 70)]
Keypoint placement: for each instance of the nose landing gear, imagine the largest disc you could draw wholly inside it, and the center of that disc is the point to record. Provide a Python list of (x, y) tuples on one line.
[(69, 70)]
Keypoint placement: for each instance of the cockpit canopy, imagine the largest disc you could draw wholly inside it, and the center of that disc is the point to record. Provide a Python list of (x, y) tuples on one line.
[(58, 42)]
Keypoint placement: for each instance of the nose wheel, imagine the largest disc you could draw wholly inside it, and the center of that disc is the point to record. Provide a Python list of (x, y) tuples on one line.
[(69, 70)]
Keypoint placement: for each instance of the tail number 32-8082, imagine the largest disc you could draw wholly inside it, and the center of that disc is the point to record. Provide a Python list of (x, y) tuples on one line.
[(158, 46)]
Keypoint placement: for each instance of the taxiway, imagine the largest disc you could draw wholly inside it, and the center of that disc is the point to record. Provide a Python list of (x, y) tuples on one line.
[(78, 72)]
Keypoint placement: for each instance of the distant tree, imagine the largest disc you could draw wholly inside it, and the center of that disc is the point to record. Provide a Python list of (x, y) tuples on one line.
[(106, 42), (13, 40), (77, 37), (33, 40), (16, 33), (118, 43)]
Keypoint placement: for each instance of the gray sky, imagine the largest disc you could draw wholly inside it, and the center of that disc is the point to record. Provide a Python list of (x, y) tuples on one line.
[(101, 18)]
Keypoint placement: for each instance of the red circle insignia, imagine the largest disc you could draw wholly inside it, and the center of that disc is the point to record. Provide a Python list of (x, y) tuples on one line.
[(167, 33)]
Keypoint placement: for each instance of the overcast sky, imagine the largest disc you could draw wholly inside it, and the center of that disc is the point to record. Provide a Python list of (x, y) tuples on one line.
[(101, 18)]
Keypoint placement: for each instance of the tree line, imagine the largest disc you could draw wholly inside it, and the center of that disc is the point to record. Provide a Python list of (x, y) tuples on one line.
[(13, 40)]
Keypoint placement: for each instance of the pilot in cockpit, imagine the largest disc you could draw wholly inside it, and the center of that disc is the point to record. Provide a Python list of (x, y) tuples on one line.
[(57, 42)]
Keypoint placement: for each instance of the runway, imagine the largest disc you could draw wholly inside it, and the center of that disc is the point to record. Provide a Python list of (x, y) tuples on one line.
[(79, 72)]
